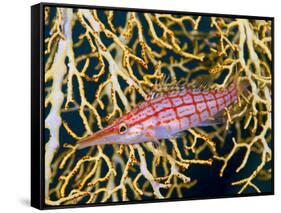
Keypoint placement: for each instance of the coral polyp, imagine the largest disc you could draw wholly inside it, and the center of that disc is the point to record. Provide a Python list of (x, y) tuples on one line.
[(101, 64)]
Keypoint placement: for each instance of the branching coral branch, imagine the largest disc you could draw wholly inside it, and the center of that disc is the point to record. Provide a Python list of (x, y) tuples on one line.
[(53, 120)]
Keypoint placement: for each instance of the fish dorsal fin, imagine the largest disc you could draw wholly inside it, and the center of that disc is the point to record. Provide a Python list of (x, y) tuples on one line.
[(201, 84), (164, 86)]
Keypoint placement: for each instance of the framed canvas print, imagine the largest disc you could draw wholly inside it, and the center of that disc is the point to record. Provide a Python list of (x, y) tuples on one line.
[(134, 106)]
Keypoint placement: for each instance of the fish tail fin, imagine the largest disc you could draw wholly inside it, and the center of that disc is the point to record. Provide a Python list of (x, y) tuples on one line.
[(241, 83)]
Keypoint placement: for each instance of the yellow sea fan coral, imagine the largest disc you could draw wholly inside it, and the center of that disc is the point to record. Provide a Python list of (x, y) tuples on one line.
[(100, 64)]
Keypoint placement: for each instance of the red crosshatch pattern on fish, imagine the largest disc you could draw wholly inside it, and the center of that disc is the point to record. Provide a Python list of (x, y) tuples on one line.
[(192, 107)]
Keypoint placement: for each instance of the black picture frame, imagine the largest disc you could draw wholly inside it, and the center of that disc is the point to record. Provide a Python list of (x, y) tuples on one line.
[(37, 102)]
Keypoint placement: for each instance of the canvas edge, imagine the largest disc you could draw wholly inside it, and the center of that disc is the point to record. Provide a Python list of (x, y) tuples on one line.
[(37, 186)]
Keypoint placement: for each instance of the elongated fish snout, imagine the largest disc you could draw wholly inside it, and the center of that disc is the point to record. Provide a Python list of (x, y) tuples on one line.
[(90, 141), (104, 136)]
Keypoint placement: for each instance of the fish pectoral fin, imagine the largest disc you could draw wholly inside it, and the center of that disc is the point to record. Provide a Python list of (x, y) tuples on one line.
[(151, 137)]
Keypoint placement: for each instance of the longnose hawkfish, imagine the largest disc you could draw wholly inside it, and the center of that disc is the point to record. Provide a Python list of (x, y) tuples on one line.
[(165, 116)]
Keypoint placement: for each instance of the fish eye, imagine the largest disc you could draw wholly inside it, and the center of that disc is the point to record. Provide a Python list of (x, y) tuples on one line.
[(122, 128)]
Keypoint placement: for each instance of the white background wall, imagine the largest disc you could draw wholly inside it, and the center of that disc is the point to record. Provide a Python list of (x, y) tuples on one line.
[(15, 106)]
